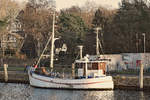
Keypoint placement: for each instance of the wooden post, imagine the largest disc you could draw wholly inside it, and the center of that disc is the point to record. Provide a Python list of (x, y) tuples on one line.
[(73, 70), (63, 74), (5, 72), (86, 69), (141, 77), (2, 44)]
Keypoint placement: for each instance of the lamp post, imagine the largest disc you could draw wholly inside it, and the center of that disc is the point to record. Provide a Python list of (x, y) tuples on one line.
[(144, 41), (137, 43), (142, 66)]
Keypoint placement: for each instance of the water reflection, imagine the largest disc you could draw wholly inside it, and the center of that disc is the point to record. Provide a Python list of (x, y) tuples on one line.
[(25, 92), (47, 94)]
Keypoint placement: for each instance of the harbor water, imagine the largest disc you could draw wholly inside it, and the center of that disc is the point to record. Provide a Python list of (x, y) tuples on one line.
[(9, 91)]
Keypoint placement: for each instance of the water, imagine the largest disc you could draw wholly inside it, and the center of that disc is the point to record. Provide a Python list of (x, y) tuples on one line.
[(26, 92)]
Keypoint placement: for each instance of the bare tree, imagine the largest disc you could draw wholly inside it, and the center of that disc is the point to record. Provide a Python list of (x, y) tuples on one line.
[(8, 8), (46, 4), (36, 24)]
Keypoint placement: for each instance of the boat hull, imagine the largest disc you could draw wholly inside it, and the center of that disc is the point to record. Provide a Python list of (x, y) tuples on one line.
[(102, 83)]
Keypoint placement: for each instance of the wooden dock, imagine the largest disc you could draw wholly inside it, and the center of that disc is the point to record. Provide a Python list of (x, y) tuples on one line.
[(15, 77)]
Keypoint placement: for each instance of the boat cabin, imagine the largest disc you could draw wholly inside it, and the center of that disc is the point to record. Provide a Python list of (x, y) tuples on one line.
[(90, 69)]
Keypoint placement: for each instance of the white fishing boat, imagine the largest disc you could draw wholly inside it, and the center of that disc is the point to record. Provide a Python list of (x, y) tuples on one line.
[(90, 74)]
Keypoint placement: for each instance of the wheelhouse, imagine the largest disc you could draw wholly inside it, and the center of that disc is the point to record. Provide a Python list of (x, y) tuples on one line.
[(90, 68)]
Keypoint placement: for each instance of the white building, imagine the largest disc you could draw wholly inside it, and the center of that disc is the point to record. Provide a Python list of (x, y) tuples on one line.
[(125, 61), (63, 48)]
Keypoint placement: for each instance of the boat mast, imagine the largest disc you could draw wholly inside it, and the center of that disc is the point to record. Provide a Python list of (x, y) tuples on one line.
[(52, 44), (81, 48), (97, 41)]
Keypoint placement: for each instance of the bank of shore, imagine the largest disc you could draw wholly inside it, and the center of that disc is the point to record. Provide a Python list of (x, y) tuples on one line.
[(125, 82), (15, 77), (130, 82)]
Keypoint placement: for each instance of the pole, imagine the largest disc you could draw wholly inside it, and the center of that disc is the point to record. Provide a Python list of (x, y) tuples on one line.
[(39, 47), (86, 67), (97, 46), (3, 46), (142, 66), (144, 48), (5, 72), (144, 42), (52, 44), (141, 77), (73, 70), (137, 43), (81, 48)]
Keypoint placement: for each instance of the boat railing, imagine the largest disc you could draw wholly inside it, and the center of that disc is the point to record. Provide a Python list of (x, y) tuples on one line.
[(58, 72)]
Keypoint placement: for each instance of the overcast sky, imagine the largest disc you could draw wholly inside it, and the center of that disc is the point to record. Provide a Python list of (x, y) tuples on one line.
[(68, 3)]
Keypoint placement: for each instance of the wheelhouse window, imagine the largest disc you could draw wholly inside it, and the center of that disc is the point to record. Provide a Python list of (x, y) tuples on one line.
[(80, 65), (89, 65), (94, 66)]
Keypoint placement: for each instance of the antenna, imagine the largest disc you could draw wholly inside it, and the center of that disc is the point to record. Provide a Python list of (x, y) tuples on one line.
[(97, 40)]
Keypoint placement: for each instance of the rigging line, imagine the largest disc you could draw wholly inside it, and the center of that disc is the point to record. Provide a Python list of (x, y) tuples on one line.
[(77, 56), (100, 46), (44, 50)]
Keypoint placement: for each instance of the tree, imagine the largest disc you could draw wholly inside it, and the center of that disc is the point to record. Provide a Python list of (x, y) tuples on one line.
[(72, 29), (99, 19), (103, 19), (124, 27), (3, 24), (88, 11), (43, 4), (8, 12), (132, 18), (37, 24), (8, 8)]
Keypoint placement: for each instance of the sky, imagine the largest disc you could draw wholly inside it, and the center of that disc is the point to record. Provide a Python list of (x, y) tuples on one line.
[(60, 4), (68, 3)]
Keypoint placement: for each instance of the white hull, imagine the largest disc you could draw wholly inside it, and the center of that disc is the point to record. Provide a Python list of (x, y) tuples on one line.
[(104, 82)]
